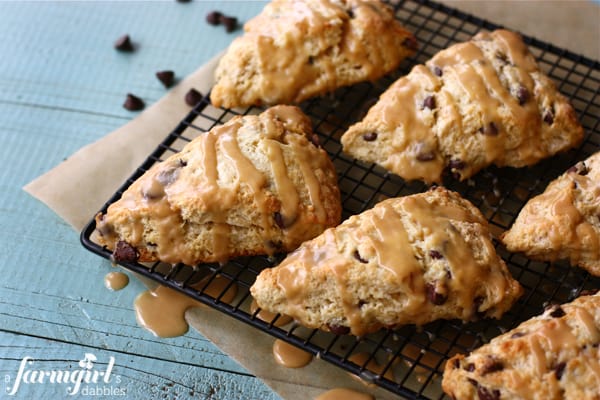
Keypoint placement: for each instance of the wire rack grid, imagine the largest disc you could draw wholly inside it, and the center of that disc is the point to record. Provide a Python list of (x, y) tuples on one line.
[(407, 361)]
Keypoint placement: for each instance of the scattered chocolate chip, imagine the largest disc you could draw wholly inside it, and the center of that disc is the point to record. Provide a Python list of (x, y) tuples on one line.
[(522, 95), (357, 255), (182, 163), (214, 17), (166, 78), (490, 130), (436, 255), (369, 137), (557, 312), (311, 60), (133, 103), (361, 303), (548, 117), (559, 370), (456, 164), (455, 363), (486, 394), (473, 382), (193, 97), (230, 23), (491, 365), (437, 71), (338, 329), (470, 367), (502, 57), (124, 44), (429, 102), (411, 43), (125, 252), (517, 335), (278, 219), (426, 156), (434, 296), (350, 13), (588, 292)]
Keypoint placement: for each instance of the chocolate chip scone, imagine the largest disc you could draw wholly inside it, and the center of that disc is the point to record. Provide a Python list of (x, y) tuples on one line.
[(564, 221), (408, 260), (258, 184), (549, 357), (474, 104), (294, 50)]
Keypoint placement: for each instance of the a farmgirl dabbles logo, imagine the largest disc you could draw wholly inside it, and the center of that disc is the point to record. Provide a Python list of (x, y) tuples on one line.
[(87, 380)]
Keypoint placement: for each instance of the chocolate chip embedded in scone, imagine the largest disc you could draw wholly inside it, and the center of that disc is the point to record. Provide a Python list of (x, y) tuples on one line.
[(552, 356), (564, 221), (255, 185), (294, 50), (409, 260), (481, 102)]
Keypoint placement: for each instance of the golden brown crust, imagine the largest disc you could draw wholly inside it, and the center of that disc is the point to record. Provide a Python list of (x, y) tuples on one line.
[(256, 185), (409, 260), (474, 104), (549, 357), (564, 221), (295, 50)]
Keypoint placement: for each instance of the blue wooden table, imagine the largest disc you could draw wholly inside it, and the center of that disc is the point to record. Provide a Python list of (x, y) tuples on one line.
[(62, 86)]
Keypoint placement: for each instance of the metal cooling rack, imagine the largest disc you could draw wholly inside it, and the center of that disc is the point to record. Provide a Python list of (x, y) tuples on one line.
[(415, 357)]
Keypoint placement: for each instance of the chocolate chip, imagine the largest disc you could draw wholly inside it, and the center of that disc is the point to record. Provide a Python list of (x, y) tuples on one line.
[(429, 102), (356, 255), (455, 363), (436, 255), (193, 97), (434, 296), (470, 367), (491, 365), (559, 370), (314, 139), (486, 394), (411, 43), (182, 163), (350, 13), (214, 17), (311, 60), (230, 23), (589, 292), (456, 164), (517, 335), (522, 95), (124, 44), (166, 78), (369, 137), (548, 117), (425, 156), (473, 382), (338, 329), (557, 312), (437, 71), (361, 303), (579, 168), (125, 252), (278, 219), (490, 130), (133, 103)]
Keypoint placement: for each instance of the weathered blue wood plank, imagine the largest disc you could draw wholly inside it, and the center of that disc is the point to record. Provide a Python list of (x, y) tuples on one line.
[(130, 376)]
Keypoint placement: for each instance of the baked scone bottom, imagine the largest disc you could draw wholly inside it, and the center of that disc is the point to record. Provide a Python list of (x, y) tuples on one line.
[(552, 356), (472, 105), (564, 221), (255, 185), (409, 260), (294, 50)]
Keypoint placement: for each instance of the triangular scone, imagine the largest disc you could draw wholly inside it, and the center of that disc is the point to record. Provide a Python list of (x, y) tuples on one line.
[(298, 49), (553, 356), (563, 222), (257, 185), (474, 104), (408, 260)]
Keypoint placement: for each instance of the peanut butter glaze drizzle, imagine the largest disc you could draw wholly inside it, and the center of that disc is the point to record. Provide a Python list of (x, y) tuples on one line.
[(296, 43), (160, 195), (417, 130), (383, 233)]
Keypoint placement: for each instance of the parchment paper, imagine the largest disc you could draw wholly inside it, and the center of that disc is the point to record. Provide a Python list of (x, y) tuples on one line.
[(75, 190)]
